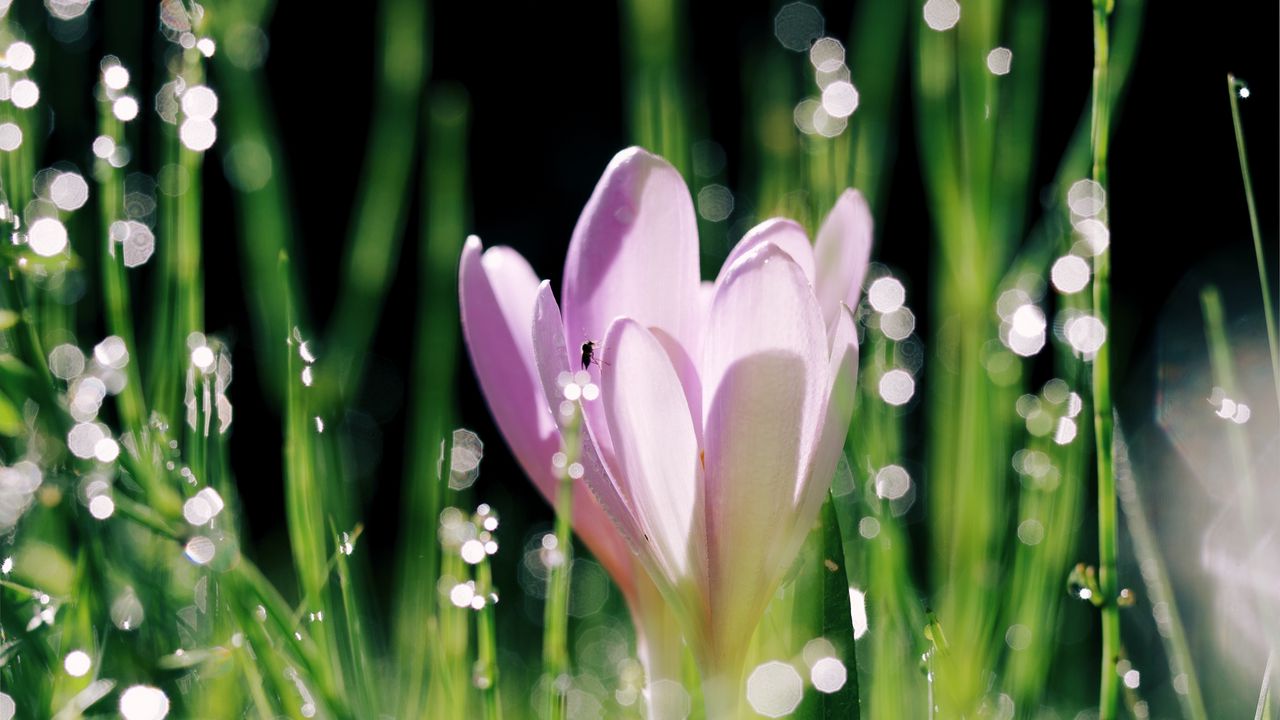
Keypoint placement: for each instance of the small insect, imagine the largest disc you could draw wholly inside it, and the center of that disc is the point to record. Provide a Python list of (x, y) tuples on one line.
[(589, 354)]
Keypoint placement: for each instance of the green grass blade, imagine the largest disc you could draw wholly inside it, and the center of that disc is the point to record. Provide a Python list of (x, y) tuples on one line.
[(435, 357), (1268, 311)]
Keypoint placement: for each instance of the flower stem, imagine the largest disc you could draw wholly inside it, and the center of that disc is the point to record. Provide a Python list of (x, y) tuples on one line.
[(1109, 692), (722, 692), (1268, 311)]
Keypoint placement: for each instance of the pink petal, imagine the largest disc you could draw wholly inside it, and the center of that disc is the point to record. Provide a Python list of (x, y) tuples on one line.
[(634, 253), (841, 387), (496, 294), (602, 515), (841, 254), (786, 234), (764, 369), (656, 445)]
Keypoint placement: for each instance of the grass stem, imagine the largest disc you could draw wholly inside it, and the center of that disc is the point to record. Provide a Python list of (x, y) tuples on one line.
[(1268, 309), (1109, 690), (555, 650)]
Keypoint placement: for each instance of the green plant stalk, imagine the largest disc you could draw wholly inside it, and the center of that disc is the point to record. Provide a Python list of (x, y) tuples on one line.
[(307, 500), (450, 632), (1264, 695), (555, 649), (1268, 309), (357, 649), (383, 200), (114, 284), (435, 353), (179, 296), (973, 422), (1035, 582), (487, 647), (1108, 532), (892, 689)]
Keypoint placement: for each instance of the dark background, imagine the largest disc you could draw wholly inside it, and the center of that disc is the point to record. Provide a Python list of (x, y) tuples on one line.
[(546, 87)]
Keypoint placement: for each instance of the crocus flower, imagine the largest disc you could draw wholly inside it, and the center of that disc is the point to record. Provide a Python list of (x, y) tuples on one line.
[(497, 291), (723, 407)]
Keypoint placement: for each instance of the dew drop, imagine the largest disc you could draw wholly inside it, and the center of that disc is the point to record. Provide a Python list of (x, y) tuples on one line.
[(77, 663), (143, 702), (886, 294), (999, 60), (125, 108), (897, 387), (941, 14), (774, 689)]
